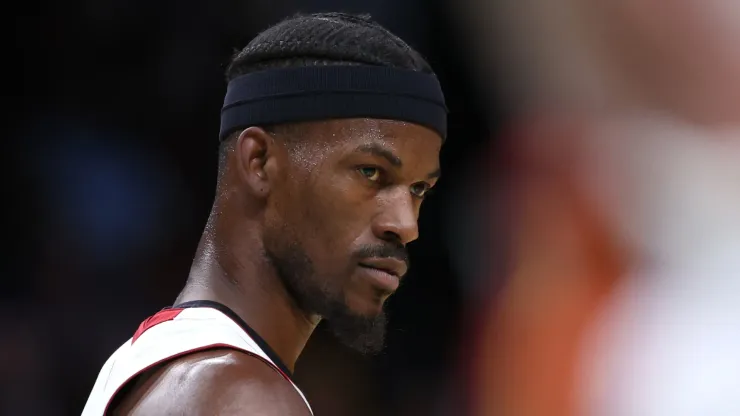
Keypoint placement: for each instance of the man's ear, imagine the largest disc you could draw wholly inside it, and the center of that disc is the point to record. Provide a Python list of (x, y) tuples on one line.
[(253, 149)]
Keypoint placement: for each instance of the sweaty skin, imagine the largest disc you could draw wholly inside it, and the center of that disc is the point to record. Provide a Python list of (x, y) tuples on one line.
[(342, 186)]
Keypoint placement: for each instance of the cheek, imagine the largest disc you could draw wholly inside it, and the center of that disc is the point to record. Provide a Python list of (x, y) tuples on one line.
[(330, 223)]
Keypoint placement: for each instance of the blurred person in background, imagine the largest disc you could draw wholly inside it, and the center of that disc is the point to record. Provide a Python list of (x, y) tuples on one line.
[(331, 131), (622, 292)]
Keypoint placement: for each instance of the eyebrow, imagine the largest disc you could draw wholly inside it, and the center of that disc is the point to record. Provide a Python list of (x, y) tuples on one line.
[(380, 151), (376, 149)]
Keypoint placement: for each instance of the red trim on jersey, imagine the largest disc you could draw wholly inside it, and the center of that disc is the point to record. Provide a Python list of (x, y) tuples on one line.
[(156, 319), (183, 353)]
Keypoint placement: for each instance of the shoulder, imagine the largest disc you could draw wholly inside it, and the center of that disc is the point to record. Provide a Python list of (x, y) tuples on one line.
[(224, 382)]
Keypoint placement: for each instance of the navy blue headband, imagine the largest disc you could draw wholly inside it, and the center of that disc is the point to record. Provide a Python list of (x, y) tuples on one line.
[(288, 95)]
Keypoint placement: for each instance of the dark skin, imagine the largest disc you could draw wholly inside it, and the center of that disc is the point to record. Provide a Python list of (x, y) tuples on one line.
[(346, 185)]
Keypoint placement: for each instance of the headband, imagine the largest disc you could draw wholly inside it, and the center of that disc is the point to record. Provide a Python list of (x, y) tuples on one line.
[(288, 95)]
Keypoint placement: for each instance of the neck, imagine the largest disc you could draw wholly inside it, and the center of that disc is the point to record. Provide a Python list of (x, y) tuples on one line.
[(234, 273)]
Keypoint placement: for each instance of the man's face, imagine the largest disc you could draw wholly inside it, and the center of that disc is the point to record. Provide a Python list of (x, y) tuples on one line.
[(343, 207)]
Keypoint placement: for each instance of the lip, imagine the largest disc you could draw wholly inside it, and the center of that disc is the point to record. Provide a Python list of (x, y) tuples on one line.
[(380, 279), (388, 265)]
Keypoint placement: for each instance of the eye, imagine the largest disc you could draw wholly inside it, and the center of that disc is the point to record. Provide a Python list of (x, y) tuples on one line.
[(420, 190), (370, 173)]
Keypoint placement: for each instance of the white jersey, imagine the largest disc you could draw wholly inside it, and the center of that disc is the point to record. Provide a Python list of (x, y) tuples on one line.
[(668, 342), (175, 332)]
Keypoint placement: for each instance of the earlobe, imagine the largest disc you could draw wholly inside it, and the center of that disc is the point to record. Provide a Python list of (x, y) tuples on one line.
[(252, 153)]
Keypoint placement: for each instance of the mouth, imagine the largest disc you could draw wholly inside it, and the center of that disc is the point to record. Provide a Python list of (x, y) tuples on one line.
[(379, 269), (382, 279), (394, 267)]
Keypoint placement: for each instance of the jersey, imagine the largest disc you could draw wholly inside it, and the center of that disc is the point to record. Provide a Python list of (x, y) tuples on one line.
[(667, 342), (172, 333)]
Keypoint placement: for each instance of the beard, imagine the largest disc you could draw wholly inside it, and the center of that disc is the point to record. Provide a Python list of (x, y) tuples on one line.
[(314, 295)]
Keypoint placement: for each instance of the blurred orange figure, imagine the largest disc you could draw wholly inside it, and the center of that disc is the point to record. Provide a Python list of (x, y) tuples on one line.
[(623, 297), (564, 260)]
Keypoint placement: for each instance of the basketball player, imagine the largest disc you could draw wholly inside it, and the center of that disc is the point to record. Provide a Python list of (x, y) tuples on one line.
[(624, 299), (330, 137)]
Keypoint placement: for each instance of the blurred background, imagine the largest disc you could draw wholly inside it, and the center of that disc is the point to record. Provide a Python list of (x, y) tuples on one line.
[(581, 257)]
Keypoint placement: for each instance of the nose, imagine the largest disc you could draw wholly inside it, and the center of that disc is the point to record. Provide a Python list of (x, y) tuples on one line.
[(398, 218)]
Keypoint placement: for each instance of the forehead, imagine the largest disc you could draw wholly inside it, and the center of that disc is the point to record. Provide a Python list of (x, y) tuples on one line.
[(407, 140)]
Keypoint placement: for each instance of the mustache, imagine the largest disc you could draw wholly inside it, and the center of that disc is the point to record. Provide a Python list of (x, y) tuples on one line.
[(391, 251)]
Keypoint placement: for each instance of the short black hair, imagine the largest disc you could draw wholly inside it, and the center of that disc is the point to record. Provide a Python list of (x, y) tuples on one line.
[(321, 39)]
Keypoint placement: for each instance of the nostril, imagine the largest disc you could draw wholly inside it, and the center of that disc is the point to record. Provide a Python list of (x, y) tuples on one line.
[(392, 237)]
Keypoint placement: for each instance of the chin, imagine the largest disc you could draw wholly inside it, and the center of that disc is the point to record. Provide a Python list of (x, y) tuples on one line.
[(366, 306), (369, 310), (360, 326)]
